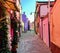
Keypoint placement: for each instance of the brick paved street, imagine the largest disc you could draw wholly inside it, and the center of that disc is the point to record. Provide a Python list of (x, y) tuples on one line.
[(31, 43)]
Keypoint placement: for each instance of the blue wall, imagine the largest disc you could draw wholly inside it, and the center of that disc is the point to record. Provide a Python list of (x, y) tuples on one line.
[(25, 20)]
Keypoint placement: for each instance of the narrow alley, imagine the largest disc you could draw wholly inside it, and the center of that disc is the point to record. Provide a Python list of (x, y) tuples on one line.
[(31, 43), (29, 26)]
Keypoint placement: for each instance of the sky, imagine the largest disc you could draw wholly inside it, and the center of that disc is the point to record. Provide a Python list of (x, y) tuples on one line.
[(29, 6)]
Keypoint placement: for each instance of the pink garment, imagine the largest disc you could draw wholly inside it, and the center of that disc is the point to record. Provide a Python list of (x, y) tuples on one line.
[(12, 33)]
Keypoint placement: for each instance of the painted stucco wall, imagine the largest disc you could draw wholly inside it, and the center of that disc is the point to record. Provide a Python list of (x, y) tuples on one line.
[(24, 17), (45, 31), (25, 20), (55, 24)]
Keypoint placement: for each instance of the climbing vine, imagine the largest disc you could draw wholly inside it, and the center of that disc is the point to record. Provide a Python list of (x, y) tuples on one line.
[(4, 48)]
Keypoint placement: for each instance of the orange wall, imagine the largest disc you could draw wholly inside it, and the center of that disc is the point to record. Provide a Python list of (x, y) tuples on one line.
[(37, 21), (55, 24), (36, 24)]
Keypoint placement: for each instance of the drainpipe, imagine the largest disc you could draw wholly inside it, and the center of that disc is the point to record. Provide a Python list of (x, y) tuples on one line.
[(49, 21), (42, 28)]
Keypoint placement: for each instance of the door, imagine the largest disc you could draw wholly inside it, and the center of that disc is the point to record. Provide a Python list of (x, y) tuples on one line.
[(45, 31)]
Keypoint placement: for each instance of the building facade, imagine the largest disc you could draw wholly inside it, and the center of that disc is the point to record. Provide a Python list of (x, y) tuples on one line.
[(25, 21), (48, 27), (54, 27), (9, 30)]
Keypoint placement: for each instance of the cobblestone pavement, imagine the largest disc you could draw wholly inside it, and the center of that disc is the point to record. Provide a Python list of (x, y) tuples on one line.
[(31, 43)]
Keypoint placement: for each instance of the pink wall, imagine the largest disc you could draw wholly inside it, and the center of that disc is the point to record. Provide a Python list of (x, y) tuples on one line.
[(43, 10), (40, 28), (44, 23), (45, 31)]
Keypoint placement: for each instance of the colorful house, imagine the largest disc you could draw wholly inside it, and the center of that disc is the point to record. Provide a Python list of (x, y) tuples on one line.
[(41, 20), (37, 19), (8, 26), (46, 29), (22, 26), (25, 20), (54, 27), (15, 26)]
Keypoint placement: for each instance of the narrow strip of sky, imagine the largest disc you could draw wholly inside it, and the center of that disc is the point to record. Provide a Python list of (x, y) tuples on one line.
[(28, 6)]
